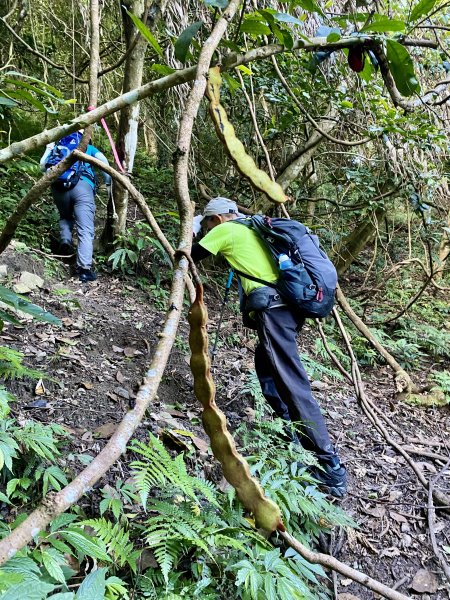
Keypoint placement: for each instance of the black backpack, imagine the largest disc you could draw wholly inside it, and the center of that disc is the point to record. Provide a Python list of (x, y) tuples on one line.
[(309, 281)]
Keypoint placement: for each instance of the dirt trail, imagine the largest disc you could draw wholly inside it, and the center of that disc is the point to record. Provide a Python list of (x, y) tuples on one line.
[(99, 355)]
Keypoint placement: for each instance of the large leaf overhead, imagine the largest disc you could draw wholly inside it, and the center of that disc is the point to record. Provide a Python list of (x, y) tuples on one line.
[(402, 68)]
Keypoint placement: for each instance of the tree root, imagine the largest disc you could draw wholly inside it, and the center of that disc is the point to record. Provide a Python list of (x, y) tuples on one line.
[(369, 408), (403, 382)]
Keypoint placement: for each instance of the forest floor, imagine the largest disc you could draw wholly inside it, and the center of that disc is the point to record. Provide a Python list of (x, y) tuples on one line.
[(97, 360)]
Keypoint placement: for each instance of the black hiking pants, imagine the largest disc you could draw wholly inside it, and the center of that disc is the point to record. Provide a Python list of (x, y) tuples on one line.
[(283, 379)]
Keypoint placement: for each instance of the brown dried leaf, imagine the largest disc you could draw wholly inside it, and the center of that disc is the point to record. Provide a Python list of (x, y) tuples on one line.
[(120, 377), (202, 445), (397, 517), (129, 351), (106, 430), (348, 597), (87, 385), (117, 349), (425, 581)]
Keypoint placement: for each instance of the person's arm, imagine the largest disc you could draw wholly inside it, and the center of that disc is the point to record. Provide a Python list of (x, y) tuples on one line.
[(45, 156), (95, 152), (199, 253)]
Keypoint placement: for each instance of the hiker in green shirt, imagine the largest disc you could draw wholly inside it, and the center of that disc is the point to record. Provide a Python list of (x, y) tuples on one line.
[(283, 379)]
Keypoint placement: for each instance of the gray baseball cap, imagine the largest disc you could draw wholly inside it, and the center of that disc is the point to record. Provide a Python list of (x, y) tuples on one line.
[(220, 206)]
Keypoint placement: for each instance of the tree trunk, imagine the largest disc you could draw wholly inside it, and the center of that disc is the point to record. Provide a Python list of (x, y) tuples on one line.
[(128, 123), (444, 252), (351, 246)]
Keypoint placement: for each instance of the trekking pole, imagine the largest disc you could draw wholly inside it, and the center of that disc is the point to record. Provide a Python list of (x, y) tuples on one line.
[(222, 310)]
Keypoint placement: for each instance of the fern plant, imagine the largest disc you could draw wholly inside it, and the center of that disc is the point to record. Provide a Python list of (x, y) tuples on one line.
[(117, 541), (270, 575), (12, 367), (28, 456), (157, 469)]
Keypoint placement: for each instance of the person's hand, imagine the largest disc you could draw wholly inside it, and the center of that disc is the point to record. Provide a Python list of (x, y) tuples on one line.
[(196, 225)]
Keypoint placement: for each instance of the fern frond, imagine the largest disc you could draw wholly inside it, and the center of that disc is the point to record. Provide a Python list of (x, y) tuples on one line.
[(116, 539), (157, 468)]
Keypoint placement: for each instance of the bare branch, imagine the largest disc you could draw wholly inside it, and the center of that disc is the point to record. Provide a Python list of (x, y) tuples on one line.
[(330, 562)]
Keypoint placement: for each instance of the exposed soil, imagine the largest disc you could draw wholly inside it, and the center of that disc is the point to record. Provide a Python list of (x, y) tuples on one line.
[(100, 354)]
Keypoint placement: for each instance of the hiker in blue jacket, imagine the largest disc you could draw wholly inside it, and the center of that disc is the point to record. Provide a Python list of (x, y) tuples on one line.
[(283, 379), (74, 196)]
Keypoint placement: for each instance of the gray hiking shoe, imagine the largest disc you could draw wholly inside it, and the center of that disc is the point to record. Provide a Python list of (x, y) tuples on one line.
[(331, 477)]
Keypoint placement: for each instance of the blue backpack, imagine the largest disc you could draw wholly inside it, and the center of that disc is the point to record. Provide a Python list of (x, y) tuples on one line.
[(307, 278), (69, 179)]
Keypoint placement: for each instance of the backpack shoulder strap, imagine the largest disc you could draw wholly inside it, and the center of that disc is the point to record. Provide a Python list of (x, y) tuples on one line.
[(272, 284)]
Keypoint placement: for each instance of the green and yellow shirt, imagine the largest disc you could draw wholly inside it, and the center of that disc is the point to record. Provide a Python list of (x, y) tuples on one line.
[(243, 250)]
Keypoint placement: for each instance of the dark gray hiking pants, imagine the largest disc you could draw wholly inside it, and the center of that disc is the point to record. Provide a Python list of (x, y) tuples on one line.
[(283, 379), (77, 208)]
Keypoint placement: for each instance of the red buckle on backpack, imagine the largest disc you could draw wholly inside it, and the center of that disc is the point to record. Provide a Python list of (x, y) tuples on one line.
[(319, 295)]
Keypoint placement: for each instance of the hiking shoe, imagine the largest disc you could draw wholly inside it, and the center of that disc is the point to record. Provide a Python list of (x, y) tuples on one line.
[(66, 249), (86, 275), (331, 477)]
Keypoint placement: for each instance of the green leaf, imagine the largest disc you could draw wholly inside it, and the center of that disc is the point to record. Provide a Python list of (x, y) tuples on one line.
[(402, 68), (308, 5), (84, 544), (231, 82), (383, 25), (254, 27), (93, 587), (27, 97), (162, 69), (31, 589), (52, 566), (184, 41), (63, 596), (367, 71), (143, 29), (8, 101), (36, 80), (4, 498), (286, 18), (12, 299), (216, 3), (333, 37), (423, 7)]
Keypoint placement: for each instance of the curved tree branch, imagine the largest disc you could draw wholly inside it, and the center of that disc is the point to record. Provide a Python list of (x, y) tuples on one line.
[(309, 117), (42, 56), (330, 562), (182, 76)]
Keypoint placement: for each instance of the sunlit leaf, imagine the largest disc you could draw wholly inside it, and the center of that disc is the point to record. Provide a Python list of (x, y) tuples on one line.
[(145, 31), (255, 27), (423, 7), (402, 68), (383, 25)]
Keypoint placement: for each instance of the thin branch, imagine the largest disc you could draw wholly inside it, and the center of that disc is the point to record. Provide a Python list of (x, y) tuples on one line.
[(431, 514), (186, 125), (330, 562), (42, 56), (331, 354), (309, 117), (370, 409), (182, 76)]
